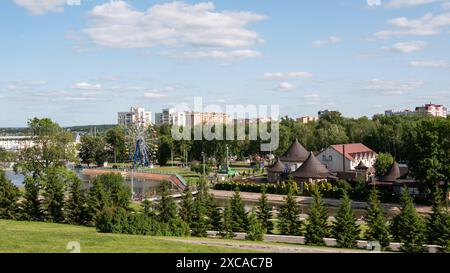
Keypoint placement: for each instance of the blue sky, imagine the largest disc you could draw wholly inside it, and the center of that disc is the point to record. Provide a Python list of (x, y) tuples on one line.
[(81, 64)]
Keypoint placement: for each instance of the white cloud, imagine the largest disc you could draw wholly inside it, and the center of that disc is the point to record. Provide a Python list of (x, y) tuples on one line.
[(86, 86), (430, 64), (329, 41), (407, 47), (409, 3), (40, 7), (214, 54), (285, 86), (373, 3), (446, 5), (287, 75), (153, 95), (427, 25), (117, 24), (393, 87), (25, 85)]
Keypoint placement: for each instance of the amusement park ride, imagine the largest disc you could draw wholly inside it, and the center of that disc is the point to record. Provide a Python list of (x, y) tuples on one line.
[(142, 145)]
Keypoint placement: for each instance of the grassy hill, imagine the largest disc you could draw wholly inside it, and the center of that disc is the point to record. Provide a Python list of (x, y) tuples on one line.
[(25, 237)]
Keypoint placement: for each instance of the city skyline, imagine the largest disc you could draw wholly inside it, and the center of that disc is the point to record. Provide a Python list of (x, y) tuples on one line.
[(81, 64)]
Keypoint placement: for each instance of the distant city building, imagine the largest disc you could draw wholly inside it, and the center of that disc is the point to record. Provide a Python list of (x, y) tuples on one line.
[(16, 143), (158, 118), (307, 119), (434, 110), (196, 118), (342, 158), (405, 112), (136, 116), (172, 117)]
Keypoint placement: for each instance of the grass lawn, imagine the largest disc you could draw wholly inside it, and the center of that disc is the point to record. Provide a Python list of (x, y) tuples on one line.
[(26, 237)]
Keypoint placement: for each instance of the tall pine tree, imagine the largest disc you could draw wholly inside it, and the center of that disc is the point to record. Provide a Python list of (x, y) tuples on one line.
[(408, 227), (9, 194), (317, 227), (76, 210), (166, 206), (239, 217), (255, 230), (289, 222), (186, 205), (345, 229), (227, 230), (438, 225), (378, 229), (31, 206), (54, 189), (264, 212)]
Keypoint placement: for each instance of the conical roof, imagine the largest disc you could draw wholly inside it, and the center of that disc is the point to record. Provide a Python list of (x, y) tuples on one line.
[(361, 166), (392, 174), (278, 167), (312, 168), (295, 153)]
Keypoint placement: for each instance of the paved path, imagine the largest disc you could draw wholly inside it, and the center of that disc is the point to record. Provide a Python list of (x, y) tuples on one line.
[(271, 248)]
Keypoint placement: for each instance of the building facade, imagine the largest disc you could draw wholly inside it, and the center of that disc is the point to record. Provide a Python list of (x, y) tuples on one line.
[(197, 118), (434, 110), (307, 119), (136, 116), (16, 143), (344, 158)]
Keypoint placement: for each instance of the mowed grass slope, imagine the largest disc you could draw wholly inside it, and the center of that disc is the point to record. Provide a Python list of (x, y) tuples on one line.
[(26, 237)]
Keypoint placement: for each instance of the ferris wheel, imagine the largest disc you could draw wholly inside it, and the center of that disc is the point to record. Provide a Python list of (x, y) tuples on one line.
[(142, 145)]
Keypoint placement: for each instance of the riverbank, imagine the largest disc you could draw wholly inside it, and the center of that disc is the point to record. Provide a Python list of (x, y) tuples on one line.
[(252, 197)]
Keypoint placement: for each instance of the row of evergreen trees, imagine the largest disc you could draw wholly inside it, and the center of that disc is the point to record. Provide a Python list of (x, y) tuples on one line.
[(407, 227)]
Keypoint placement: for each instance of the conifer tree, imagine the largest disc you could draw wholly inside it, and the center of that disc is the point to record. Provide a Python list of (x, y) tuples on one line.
[(166, 206), (255, 230), (9, 194), (376, 221), (227, 223), (289, 222), (239, 217), (345, 229), (438, 225), (408, 227), (199, 220), (76, 211), (186, 205), (147, 208), (317, 227), (264, 212), (31, 206)]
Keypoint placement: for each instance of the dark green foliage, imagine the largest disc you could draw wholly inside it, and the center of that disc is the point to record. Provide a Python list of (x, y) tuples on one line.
[(31, 205), (317, 227), (238, 215), (289, 222), (408, 227), (227, 230), (438, 225), (255, 230), (384, 161), (54, 187), (147, 208), (76, 207), (376, 221), (345, 229), (9, 195), (115, 139), (166, 206), (264, 212), (186, 205)]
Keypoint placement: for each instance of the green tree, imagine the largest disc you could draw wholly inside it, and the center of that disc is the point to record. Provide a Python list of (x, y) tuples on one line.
[(93, 150), (255, 230), (147, 208), (227, 229), (76, 208), (186, 205), (438, 225), (408, 227), (239, 217), (31, 205), (377, 227), (166, 206), (345, 229), (115, 139), (54, 188), (317, 227), (289, 222), (264, 212), (9, 195), (382, 164)]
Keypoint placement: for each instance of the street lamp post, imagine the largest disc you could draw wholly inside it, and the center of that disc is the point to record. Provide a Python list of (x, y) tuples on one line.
[(204, 167)]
